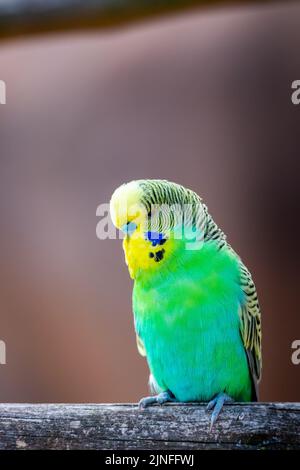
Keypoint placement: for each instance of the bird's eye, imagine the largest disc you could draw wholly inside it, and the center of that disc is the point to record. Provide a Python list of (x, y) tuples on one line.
[(129, 228)]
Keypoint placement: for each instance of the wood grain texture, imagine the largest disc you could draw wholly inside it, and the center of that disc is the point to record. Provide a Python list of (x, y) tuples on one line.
[(27, 17), (172, 426)]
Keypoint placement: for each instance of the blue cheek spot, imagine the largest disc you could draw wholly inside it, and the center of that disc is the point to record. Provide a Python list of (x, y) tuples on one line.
[(155, 238), (129, 228)]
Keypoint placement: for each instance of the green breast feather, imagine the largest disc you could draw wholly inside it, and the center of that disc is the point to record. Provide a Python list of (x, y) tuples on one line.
[(187, 321)]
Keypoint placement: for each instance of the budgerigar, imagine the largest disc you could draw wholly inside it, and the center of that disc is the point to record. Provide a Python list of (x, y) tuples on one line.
[(196, 312)]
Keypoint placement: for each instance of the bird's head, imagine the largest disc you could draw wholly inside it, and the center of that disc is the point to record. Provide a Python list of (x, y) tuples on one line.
[(149, 212), (127, 211)]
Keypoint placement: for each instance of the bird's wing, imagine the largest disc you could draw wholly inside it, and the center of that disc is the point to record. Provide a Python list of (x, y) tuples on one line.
[(250, 326), (140, 346)]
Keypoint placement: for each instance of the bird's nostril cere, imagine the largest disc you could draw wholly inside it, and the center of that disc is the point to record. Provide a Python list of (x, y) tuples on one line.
[(129, 228)]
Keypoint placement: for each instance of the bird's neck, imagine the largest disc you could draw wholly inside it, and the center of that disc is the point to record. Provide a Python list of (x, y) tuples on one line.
[(148, 256)]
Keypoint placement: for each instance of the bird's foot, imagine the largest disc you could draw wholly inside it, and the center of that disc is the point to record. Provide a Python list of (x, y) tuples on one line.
[(216, 404), (160, 399)]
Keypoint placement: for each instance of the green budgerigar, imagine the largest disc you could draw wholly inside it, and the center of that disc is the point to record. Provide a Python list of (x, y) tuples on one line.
[(196, 312)]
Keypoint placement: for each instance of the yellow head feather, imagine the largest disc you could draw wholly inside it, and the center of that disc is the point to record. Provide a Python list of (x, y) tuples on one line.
[(126, 206)]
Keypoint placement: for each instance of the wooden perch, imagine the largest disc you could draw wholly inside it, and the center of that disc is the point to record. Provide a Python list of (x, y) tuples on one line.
[(172, 426), (31, 17)]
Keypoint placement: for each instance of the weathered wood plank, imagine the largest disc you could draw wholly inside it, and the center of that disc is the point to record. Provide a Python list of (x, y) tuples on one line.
[(172, 426), (31, 17)]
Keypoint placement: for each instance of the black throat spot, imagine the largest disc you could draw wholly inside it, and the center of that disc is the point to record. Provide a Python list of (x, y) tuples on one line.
[(158, 255)]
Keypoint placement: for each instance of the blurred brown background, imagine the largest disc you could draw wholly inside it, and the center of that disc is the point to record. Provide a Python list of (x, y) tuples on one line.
[(203, 99)]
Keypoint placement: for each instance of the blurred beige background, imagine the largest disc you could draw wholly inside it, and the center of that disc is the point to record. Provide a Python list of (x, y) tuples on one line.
[(202, 99)]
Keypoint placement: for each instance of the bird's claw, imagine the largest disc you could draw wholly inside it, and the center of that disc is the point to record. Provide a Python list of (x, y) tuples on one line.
[(216, 404), (159, 399)]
